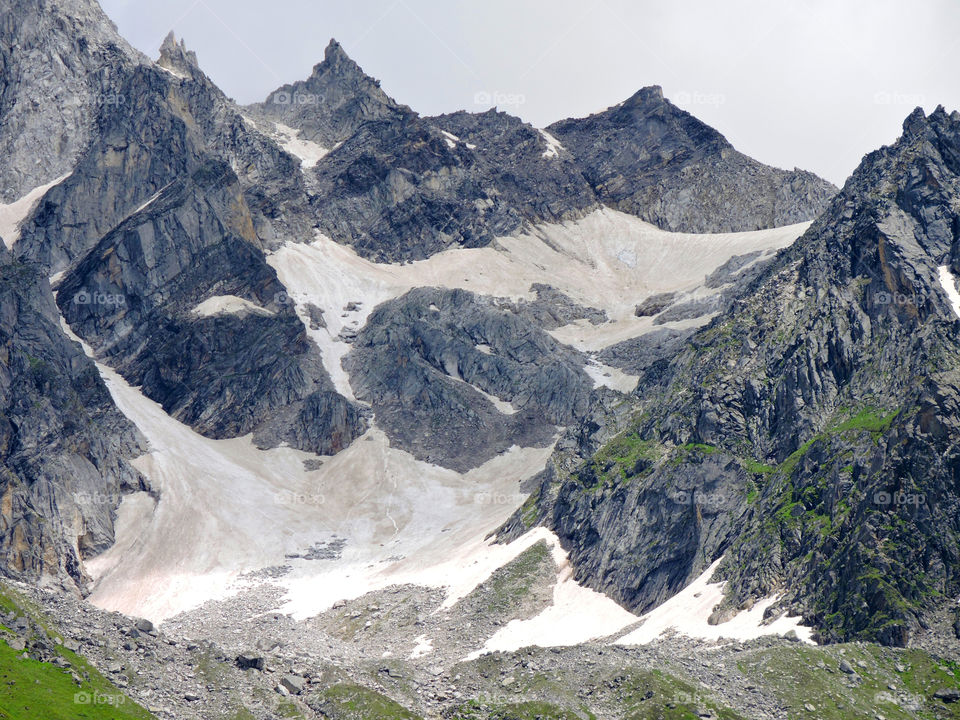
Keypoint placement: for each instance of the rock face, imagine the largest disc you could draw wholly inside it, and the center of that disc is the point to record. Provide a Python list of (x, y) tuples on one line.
[(134, 296), (330, 105), (435, 364), (60, 64), (64, 447), (807, 434), (174, 120), (647, 157), (407, 188)]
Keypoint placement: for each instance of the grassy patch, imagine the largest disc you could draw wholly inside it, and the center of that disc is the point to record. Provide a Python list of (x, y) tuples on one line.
[(800, 676), (757, 468), (346, 701), (533, 710), (624, 457), (30, 689)]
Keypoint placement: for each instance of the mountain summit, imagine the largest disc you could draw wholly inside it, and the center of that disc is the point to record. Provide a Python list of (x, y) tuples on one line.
[(333, 102), (648, 157)]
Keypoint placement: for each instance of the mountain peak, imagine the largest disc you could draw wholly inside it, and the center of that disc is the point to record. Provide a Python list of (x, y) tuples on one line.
[(649, 95), (335, 52), (175, 56), (915, 121), (333, 102)]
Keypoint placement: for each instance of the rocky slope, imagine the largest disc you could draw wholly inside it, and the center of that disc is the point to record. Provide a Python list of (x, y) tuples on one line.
[(807, 435), (61, 63), (647, 157), (172, 120), (64, 447), (138, 298), (333, 103), (457, 379)]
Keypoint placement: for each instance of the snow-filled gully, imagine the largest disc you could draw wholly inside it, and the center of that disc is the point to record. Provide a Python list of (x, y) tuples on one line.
[(227, 508)]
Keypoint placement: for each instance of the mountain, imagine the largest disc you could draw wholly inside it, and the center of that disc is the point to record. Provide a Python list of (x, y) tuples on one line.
[(60, 64), (812, 447), (65, 449), (399, 187), (320, 407), (332, 104), (647, 157)]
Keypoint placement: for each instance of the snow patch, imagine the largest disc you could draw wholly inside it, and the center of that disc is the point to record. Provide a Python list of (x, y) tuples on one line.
[(14, 213), (949, 284), (576, 615), (423, 647), (553, 145), (229, 304), (611, 377), (309, 153), (450, 139), (583, 259), (688, 611), (226, 508)]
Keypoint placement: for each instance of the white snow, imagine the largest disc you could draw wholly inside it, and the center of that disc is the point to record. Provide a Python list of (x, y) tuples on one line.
[(607, 260), (13, 214), (450, 139), (553, 145), (230, 304), (611, 377), (171, 71), (576, 615), (150, 202), (423, 647), (687, 613), (309, 153), (949, 284), (226, 507)]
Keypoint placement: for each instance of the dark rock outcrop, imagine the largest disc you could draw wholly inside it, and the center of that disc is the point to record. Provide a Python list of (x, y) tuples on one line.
[(808, 433), (61, 63), (133, 297), (426, 360), (404, 189), (64, 446), (332, 104), (171, 122), (647, 157)]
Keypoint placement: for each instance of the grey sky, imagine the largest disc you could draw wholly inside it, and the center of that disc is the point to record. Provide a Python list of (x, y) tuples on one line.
[(812, 83)]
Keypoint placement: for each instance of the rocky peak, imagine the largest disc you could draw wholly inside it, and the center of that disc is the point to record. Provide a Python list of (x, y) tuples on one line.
[(335, 56), (651, 95), (647, 157), (333, 102), (175, 56), (60, 63), (915, 122)]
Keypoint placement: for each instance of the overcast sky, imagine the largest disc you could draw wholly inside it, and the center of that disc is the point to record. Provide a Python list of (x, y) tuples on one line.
[(808, 83)]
